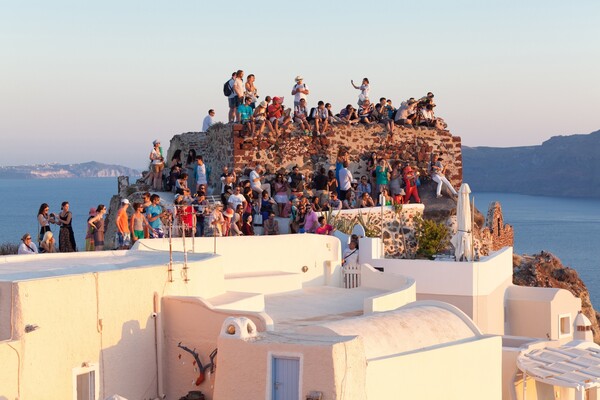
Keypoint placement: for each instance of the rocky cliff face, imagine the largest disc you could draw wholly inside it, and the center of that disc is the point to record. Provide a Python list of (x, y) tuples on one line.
[(546, 270), (560, 162)]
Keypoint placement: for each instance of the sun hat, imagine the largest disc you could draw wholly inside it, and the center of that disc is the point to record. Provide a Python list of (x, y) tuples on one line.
[(262, 103), (124, 201), (229, 212), (155, 142), (299, 78)]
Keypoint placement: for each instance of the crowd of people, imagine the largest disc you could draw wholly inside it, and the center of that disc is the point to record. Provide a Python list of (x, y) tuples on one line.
[(246, 108)]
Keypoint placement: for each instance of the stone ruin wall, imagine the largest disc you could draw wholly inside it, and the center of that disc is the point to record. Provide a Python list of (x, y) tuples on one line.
[(222, 146), (495, 233)]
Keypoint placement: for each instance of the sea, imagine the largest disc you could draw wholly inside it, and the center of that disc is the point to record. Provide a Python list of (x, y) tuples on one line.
[(569, 228)]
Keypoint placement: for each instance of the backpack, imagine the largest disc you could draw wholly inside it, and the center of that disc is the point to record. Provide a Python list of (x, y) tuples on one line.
[(227, 89)]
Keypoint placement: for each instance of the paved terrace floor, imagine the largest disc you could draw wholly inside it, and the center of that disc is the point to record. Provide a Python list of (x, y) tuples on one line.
[(314, 305)]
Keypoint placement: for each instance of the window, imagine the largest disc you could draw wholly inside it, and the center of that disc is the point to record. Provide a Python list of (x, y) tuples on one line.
[(564, 325), (85, 382)]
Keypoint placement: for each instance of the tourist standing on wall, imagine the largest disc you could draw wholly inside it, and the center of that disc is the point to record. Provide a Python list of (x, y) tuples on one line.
[(89, 232), (238, 90), (364, 90), (44, 220), (158, 163), (232, 98), (200, 172), (299, 91), (97, 224), (209, 120), (66, 237), (27, 246), (190, 166), (251, 91), (345, 180), (123, 232)]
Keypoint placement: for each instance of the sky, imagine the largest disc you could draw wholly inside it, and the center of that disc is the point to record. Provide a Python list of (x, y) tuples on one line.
[(83, 81)]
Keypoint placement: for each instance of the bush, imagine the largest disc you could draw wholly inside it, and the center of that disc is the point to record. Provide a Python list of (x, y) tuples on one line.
[(8, 248), (432, 237)]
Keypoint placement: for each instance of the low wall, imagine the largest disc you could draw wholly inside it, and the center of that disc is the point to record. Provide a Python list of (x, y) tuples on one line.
[(287, 253), (402, 290)]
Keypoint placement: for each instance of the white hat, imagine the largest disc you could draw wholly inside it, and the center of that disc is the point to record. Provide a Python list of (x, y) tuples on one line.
[(124, 201), (299, 78)]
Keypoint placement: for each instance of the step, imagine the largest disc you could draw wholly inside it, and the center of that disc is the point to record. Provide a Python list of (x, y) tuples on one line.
[(241, 301), (265, 282)]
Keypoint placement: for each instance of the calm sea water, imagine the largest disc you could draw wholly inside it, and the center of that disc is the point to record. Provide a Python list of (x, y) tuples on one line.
[(569, 228), (20, 201)]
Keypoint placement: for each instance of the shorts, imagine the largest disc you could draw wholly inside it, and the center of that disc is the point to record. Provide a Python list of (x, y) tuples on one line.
[(123, 239), (234, 102), (156, 233), (138, 234), (273, 119)]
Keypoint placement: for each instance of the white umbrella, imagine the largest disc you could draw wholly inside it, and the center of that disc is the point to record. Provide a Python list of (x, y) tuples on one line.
[(462, 239)]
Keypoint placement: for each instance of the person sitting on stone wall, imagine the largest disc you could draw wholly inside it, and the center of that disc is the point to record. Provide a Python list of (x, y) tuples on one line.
[(349, 115), (236, 198), (333, 119), (321, 119), (270, 225), (174, 175), (275, 113), (261, 120), (350, 200), (438, 175), (255, 181), (334, 202), (363, 187), (296, 181), (246, 114), (406, 114), (366, 201), (181, 183), (300, 114), (364, 112)]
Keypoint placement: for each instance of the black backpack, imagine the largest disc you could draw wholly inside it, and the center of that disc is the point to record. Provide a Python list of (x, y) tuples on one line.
[(227, 89)]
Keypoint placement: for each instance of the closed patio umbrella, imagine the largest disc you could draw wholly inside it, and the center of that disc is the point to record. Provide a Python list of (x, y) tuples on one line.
[(462, 239)]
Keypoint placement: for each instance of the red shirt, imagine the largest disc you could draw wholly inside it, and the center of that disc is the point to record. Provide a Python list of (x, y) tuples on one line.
[(324, 230)]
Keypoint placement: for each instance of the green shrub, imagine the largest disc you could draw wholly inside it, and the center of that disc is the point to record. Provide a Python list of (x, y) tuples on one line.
[(432, 237)]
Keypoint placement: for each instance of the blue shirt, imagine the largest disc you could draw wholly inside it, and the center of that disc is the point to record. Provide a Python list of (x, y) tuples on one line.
[(245, 112), (153, 211)]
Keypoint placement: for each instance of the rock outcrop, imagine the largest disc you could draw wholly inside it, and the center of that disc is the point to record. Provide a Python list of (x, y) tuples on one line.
[(546, 270)]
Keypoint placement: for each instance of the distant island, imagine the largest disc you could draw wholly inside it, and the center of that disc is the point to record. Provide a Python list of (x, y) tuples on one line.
[(90, 169), (562, 166)]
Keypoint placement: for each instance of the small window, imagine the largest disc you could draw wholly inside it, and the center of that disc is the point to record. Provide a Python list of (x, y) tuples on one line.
[(85, 382), (564, 326)]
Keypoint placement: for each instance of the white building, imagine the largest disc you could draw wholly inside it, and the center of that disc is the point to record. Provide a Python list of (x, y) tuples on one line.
[(92, 325)]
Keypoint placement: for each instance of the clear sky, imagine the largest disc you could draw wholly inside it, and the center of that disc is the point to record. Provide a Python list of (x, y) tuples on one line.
[(99, 81)]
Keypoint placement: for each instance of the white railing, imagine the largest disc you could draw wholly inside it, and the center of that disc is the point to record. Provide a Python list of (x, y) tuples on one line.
[(351, 276)]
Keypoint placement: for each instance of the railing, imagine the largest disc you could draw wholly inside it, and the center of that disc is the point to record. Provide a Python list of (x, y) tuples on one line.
[(351, 276)]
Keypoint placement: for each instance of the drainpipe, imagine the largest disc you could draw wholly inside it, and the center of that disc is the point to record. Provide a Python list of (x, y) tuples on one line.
[(158, 345)]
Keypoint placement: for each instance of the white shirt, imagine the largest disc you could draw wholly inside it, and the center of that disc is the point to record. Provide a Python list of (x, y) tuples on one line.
[(207, 123), (238, 87), (201, 174), (23, 249), (254, 178), (236, 199), (299, 95), (345, 179)]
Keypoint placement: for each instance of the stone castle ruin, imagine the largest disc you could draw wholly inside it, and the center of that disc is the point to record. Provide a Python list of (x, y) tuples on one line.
[(223, 145)]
